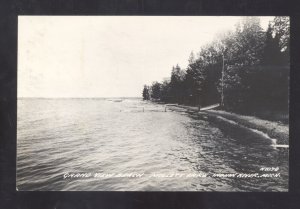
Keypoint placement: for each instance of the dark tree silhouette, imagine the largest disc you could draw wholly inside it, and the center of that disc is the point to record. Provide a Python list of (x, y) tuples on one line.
[(247, 67), (146, 93)]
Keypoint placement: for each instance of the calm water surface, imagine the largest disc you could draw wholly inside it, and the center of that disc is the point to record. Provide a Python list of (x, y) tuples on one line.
[(59, 136)]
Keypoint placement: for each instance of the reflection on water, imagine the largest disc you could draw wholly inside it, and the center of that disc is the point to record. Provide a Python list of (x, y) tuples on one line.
[(56, 136)]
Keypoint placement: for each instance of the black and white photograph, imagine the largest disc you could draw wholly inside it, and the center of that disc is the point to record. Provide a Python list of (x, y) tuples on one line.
[(153, 103)]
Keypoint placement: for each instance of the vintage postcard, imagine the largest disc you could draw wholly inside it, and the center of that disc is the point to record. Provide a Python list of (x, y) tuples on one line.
[(153, 103)]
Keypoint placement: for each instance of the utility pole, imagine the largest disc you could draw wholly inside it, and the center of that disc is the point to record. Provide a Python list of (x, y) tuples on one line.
[(199, 99), (222, 91)]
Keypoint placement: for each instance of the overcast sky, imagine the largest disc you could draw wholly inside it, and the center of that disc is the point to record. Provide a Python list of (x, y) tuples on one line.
[(107, 56)]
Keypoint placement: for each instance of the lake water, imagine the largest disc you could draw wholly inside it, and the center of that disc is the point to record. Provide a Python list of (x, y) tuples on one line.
[(60, 137)]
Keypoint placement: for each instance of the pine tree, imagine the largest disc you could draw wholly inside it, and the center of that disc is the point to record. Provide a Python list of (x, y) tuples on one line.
[(281, 27), (176, 84), (156, 90), (146, 93), (272, 54)]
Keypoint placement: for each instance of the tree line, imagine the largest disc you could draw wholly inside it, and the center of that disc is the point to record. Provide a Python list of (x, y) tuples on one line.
[(245, 70)]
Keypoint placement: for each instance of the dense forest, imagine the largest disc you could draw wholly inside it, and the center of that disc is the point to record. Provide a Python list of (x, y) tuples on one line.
[(244, 70)]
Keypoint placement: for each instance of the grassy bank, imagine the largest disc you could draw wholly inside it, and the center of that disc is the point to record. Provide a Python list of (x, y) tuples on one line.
[(272, 129)]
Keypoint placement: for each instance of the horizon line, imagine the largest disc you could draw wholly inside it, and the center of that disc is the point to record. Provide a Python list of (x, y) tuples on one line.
[(76, 97)]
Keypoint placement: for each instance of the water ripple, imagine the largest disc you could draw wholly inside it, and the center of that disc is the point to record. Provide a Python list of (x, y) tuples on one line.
[(60, 136)]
